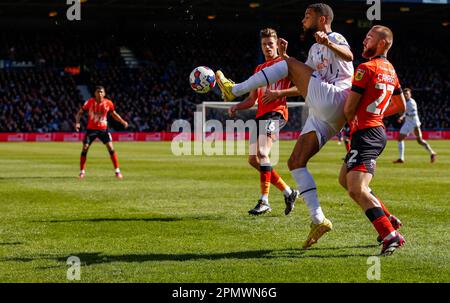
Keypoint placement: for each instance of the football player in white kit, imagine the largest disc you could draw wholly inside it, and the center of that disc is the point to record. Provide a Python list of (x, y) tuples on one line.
[(411, 124), (325, 81)]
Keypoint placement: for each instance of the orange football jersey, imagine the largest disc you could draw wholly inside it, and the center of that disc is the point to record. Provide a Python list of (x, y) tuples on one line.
[(376, 80), (98, 113), (276, 105)]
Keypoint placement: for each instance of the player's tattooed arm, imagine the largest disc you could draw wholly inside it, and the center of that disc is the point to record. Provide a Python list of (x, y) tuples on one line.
[(396, 106), (343, 51), (118, 118), (77, 120), (351, 104), (272, 95), (246, 104)]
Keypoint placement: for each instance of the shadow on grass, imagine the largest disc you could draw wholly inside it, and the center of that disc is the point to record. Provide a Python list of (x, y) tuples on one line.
[(39, 178), (99, 258), (10, 243), (155, 219), (136, 219), (343, 247)]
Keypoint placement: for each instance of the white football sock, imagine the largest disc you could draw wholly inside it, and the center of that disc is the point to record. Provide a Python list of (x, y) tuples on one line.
[(117, 170), (308, 191), (262, 78), (401, 149), (265, 198), (82, 171), (287, 191)]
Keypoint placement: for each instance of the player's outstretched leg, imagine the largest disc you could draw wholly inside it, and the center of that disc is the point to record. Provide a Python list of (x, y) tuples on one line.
[(298, 72), (306, 147)]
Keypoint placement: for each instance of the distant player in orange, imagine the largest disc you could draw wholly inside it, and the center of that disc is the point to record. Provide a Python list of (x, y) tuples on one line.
[(374, 85), (98, 109), (272, 114)]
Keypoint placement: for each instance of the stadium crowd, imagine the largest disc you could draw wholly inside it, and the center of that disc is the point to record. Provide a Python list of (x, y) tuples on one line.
[(42, 97)]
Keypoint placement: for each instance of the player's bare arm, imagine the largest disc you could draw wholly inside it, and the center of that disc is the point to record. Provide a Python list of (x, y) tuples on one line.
[(116, 117), (397, 105), (77, 120), (343, 51), (248, 102), (272, 95), (351, 104)]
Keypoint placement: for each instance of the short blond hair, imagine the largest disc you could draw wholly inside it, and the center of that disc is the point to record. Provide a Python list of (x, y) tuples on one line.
[(268, 32), (386, 34)]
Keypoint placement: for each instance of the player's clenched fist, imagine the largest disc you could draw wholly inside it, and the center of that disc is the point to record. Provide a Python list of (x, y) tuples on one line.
[(282, 47)]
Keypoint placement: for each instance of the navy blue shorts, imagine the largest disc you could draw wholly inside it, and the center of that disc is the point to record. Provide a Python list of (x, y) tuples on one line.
[(92, 134), (366, 146), (271, 123)]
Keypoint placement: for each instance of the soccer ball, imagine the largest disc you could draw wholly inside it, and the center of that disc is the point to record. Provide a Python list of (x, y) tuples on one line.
[(202, 79)]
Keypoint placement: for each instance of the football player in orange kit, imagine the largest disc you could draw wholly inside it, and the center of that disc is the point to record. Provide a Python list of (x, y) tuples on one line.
[(98, 109), (272, 114), (374, 84)]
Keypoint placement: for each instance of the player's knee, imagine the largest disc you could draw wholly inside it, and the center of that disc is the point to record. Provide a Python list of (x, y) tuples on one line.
[(295, 162), (253, 161), (111, 152), (355, 192), (263, 155), (343, 181)]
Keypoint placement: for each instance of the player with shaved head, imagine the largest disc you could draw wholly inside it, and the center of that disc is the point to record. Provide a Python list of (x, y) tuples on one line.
[(375, 94)]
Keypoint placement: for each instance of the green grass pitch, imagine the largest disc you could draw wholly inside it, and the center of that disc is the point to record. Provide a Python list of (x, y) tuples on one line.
[(184, 219)]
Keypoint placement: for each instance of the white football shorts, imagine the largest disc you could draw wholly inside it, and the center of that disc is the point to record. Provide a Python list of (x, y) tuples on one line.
[(326, 109), (408, 127)]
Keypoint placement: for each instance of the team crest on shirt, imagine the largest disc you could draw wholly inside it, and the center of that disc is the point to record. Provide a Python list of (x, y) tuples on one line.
[(340, 38), (359, 74)]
